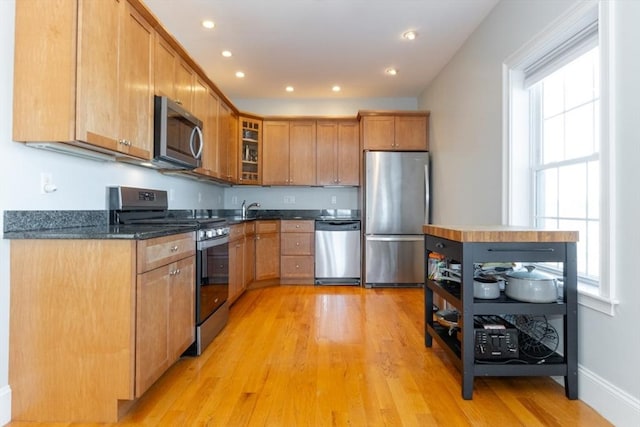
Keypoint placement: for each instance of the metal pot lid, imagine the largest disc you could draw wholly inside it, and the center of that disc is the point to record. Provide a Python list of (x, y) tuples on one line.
[(529, 274)]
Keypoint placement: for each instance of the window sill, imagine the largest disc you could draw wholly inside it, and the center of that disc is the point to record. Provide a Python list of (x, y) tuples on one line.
[(590, 299)]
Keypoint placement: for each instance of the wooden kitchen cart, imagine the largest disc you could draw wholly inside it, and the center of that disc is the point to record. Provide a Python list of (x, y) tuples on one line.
[(478, 244)]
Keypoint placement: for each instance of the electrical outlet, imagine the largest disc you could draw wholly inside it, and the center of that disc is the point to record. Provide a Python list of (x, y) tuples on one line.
[(289, 200), (171, 194), (199, 197), (234, 200), (46, 183), (334, 200)]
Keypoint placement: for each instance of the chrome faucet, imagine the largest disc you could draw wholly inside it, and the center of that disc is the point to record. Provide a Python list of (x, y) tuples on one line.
[(245, 208)]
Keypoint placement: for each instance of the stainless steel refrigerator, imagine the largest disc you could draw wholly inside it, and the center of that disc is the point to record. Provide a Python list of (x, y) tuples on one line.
[(396, 206)]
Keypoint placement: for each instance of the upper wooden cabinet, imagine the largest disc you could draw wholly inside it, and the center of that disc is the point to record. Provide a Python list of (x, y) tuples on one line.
[(173, 77), (91, 81), (338, 152), (289, 153), (227, 143), (250, 154), (406, 131), (205, 107)]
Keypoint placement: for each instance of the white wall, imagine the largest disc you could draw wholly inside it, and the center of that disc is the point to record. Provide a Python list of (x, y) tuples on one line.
[(466, 103)]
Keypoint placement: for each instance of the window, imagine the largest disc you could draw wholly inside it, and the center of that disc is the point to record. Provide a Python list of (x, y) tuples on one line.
[(566, 160), (556, 140)]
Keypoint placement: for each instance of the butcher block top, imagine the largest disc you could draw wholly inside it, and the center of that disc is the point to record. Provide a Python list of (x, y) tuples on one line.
[(498, 233)]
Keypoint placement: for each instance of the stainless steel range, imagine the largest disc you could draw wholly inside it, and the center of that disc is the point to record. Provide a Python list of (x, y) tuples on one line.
[(129, 205)]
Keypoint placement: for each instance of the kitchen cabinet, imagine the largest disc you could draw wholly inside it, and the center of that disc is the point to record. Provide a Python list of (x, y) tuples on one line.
[(338, 152), (173, 77), (249, 254), (473, 245), (297, 252), (289, 152), (205, 107), (227, 143), (91, 82), (267, 250), (406, 131), (95, 322), (250, 150), (236, 261)]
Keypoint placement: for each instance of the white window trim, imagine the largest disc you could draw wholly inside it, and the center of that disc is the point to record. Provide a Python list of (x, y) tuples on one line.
[(515, 107)]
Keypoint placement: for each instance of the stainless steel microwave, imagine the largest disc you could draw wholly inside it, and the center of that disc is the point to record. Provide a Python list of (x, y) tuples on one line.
[(177, 136)]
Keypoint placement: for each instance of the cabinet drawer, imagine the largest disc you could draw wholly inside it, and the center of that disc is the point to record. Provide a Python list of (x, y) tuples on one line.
[(297, 267), (249, 228), (236, 232), (297, 243), (153, 253), (263, 227), (298, 226), (445, 247)]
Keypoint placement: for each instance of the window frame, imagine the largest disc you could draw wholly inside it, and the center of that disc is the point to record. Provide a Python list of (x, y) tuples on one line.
[(518, 188)]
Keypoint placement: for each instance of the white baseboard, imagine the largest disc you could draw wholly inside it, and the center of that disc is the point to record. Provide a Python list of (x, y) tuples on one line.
[(5, 405), (617, 406)]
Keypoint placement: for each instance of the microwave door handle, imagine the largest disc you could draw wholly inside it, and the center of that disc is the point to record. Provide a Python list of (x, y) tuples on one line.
[(195, 130)]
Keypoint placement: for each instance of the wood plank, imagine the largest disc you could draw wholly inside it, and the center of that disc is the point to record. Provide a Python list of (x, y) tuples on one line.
[(498, 233), (322, 355)]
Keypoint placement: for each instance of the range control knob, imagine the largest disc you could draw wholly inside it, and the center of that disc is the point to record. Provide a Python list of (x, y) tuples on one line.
[(211, 233)]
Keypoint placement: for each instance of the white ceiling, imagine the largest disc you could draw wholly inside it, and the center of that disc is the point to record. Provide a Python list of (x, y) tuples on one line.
[(316, 44)]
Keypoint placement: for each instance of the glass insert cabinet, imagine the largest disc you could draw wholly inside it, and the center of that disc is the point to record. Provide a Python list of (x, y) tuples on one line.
[(250, 150)]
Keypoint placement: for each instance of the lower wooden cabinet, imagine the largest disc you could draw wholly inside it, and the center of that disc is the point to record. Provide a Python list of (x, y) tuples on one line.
[(236, 262), (93, 323), (297, 252), (267, 250)]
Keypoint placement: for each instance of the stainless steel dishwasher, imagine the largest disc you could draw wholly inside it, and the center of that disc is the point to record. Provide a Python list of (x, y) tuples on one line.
[(337, 252)]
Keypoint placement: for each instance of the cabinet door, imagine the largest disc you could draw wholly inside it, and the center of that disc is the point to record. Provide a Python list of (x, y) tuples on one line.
[(97, 72), (327, 153), (234, 152), (378, 132), (249, 260), (182, 324), (164, 69), (275, 153), (267, 256), (411, 133), (136, 84), (348, 155), (236, 268), (302, 153), (152, 326), (202, 109), (184, 83)]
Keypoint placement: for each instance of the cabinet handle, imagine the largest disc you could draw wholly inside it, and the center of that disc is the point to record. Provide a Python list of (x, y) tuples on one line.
[(439, 245), (297, 266), (177, 101), (174, 248), (297, 243)]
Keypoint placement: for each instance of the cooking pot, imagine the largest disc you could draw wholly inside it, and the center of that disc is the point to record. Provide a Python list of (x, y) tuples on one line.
[(486, 288), (531, 285)]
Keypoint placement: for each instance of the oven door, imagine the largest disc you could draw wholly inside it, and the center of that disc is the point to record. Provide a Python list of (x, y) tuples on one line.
[(212, 276)]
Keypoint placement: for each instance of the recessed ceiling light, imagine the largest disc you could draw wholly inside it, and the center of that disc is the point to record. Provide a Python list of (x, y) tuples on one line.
[(391, 71), (410, 35), (226, 53), (208, 24), (289, 88), (336, 88), (239, 74)]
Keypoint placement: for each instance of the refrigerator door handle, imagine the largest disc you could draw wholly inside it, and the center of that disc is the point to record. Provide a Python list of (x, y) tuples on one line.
[(414, 238), (426, 194)]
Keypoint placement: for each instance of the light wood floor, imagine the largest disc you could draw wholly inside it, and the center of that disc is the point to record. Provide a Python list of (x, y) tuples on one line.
[(344, 356)]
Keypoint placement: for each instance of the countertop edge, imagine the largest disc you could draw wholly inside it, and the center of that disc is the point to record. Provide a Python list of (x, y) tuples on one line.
[(499, 233)]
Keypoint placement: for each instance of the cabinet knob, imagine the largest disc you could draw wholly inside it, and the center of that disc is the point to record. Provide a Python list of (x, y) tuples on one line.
[(297, 243), (174, 248)]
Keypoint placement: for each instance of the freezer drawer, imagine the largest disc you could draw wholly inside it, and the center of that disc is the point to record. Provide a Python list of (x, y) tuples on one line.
[(394, 261)]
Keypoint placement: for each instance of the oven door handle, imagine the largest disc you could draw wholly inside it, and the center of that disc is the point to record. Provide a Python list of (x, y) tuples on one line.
[(211, 243)]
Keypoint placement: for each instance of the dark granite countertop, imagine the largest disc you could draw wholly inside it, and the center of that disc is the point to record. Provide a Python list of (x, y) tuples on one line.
[(95, 224), (131, 232)]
